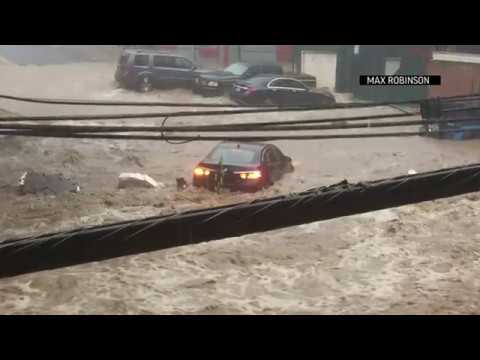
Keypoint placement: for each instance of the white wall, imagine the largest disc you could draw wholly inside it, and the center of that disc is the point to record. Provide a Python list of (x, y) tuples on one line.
[(322, 65)]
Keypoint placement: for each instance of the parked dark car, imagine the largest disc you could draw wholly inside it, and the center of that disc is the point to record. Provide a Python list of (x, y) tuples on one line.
[(245, 166), (279, 90), (220, 82), (144, 70)]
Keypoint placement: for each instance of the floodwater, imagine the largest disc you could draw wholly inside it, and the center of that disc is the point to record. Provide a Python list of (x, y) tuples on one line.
[(415, 259)]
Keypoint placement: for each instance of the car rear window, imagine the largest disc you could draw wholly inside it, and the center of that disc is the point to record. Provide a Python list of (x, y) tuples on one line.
[(233, 156), (287, 83)]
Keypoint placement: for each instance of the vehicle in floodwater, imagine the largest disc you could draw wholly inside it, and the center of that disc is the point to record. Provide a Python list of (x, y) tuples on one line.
[(242, 166)]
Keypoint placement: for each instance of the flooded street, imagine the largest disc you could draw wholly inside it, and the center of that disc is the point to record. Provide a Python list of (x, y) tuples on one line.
[(415, 259)]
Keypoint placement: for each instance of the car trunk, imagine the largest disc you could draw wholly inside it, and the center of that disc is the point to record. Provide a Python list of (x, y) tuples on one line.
[(241, 87), (230, 178)]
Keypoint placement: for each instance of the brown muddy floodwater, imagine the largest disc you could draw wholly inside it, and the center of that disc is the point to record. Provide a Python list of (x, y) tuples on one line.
[(415, 259)]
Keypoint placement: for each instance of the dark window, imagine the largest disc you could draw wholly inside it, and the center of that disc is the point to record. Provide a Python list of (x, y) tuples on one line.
[(287, 84), (269, 158), (273, 155), (258, 81), (278, 83), (141, 60), (255, 70), (276, 155), (163, 61), (232, 156), (182, 63), (294, 84)]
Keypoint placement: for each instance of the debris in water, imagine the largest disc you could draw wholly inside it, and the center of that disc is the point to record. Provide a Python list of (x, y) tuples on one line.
[(127, 180), (34, 183), (181, 184)]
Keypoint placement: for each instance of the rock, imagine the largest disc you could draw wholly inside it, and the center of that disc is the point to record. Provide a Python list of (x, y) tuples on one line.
[(34, 183), (129, 180)]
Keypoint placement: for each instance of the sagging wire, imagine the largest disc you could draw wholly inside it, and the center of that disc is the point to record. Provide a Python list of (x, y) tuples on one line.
[(213, 138), (220, 128), (171, 104), (40, 118), (169, 141)]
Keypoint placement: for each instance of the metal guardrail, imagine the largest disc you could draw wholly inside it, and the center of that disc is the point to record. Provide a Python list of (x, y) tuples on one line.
[(465, 110)]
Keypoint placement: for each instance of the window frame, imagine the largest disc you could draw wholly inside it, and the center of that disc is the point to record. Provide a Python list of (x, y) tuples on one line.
[(271, 85)]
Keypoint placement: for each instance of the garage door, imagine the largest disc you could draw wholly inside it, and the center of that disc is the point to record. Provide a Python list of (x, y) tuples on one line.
[(322, 65)]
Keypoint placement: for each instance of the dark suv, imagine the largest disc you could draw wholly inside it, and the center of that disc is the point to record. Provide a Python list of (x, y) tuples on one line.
[(220, 82), (145, 69)]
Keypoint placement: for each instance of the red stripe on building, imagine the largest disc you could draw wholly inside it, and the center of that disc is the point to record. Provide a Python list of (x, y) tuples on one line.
[(226, 55), (284, 53)]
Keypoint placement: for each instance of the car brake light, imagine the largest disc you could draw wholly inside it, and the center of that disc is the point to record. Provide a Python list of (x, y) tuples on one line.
[(251, 175), (250, 91)]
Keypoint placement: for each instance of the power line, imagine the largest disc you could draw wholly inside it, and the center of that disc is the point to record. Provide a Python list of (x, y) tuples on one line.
[(222, 127), (193, 114), (170, 104), (54, 101), (219, 112), (206, 138)]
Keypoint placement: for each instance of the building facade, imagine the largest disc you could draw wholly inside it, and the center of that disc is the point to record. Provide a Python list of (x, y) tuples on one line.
[(338, 67), (220, 56)]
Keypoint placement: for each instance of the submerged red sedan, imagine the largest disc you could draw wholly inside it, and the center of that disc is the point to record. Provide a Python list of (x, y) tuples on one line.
[(242, 166)]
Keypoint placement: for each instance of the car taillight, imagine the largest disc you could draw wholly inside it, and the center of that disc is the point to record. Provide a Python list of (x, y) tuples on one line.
[(250, 91), (250, 175)]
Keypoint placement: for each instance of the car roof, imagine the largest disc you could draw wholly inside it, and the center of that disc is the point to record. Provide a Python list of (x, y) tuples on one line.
[(249, 145), (269, 77), (257, 63), (149, 52)]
